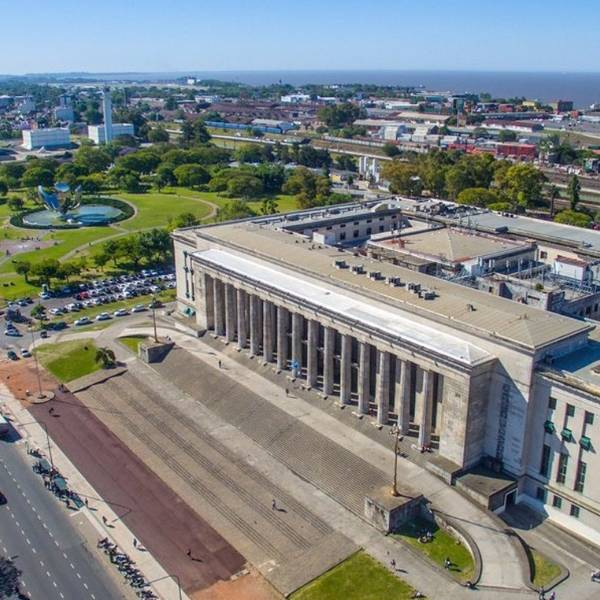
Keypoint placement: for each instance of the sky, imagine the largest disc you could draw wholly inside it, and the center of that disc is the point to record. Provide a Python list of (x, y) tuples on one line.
[(43, 36)]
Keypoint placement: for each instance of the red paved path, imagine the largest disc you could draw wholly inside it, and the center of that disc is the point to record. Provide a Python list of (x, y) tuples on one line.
[(157, 516)]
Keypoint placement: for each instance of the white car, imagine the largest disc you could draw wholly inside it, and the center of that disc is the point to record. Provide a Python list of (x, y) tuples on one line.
[(121, 312), (56, 311), (13, 332), (45, 295), (82, 321), (138, 308), (25, 353), (103, 316)]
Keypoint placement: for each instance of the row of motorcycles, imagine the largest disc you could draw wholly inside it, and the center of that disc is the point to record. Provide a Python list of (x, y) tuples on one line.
[(128, 569)]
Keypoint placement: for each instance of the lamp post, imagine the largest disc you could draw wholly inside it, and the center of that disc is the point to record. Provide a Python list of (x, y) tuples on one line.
[(43, 425), (170, 577), (154, 318), (396, 432), (37, 366)]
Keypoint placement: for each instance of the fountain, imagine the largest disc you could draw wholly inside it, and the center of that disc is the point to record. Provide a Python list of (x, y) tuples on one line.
[(64, 207)]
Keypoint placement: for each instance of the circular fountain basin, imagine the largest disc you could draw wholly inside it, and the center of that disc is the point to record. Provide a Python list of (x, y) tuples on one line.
[(85, 215)]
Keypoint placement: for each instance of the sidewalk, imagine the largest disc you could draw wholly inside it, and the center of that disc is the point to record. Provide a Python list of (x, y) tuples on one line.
[(118, 533)]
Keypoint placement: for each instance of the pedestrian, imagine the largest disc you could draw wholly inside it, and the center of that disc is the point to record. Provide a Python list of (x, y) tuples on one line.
[(447, 563), (552, 596), (219, 364), (135, 543), (51, 410), (287, 392), (393, 563), (274, 504), (104, 519), (189, 553), (86, 503)]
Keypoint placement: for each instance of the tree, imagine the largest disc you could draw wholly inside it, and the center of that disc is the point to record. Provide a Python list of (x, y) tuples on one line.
[(244, 185), (155, 244), (390, 149), (191, 175), (269, 206), (574, 192), (3, 188), (23, 267), (39, 312), (37, 176), (164, 176), (67, 270), (101, 259), (572, 217), (92, 160), (186, 219), (9, 578), (478, 197), (522, 184), (236, 209), (131, 183), (15, 204), (132, 249), (339, 115), (142, 162), (111, 248), (506, 135), (253, 153), (346, 163), (158, 135), (194, 132), (106, 357), (553, 194), (403, 178), (45, 270)]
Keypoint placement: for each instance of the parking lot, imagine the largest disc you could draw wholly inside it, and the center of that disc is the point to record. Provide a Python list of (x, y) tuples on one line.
[(80, 305)]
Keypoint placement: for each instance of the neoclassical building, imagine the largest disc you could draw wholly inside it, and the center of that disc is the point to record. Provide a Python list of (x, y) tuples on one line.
[(464, 372)]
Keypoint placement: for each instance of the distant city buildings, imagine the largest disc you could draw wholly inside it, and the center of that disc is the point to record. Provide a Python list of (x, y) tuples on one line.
[(50, 137)]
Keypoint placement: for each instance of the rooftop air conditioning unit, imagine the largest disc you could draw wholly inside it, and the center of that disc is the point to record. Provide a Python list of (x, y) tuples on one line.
[(357, 269), (375, 275), (340, 264)]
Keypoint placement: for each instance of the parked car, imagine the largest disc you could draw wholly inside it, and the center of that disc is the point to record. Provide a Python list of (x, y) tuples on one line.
[(121, 312), (138, 308), (82, 321), (63, 324), (25, 353), (12, 332), (43, 334), (103, 316), (12, 355)]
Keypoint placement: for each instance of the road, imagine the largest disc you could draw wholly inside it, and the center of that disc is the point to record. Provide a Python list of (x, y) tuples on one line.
[(37, 532)]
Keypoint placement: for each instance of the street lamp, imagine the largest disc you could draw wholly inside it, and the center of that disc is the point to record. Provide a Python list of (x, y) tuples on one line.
[(396, 431), (154, 317), (47, 438), (37, 366), (170, 577)]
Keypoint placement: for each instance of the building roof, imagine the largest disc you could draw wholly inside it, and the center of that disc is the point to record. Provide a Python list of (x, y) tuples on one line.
[(450, 245), (454, 305)]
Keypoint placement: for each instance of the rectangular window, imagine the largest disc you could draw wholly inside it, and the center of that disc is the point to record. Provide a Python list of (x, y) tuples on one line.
[(552, 403), (543, 254), (355, 233), (545, 466), (563, 463), (343, 236), (557, 502), (343, 225), (580, 477), (570, 410), (589, 418), (368, 231), (381, 228), (575, 511), (540, 494)]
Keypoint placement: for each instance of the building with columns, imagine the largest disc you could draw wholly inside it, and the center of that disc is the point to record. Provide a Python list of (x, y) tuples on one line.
[(467, 374)]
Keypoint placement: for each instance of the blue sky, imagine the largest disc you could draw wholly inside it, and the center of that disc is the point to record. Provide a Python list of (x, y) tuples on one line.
[(182, 35)]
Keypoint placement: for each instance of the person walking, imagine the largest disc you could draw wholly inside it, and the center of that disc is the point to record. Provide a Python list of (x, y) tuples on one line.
[(219, 364), (393, 563), (274, 504), (104, 520), (51, 410), (447, 563), (189, 552), (135, 543)]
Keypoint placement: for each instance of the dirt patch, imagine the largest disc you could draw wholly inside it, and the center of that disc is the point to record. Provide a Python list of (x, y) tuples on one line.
[(20, 376), (12, 247), (247, 587)]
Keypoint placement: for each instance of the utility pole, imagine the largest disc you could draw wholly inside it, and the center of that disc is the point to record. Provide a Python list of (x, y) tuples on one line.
[(154, 318), (396, 432), (37, 366)]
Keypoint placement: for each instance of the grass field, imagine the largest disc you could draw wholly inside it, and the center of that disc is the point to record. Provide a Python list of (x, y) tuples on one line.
[(360, 577), (132, 342), (441, 547), (69, 360), (544, 570)]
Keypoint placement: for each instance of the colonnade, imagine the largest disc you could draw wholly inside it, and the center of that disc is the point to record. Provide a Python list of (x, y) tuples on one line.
[(338, 364)]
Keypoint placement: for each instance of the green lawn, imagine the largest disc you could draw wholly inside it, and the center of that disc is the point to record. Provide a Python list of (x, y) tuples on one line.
[(360, 577), (69, 360), (132, 342), (441, 547), (544, 570)]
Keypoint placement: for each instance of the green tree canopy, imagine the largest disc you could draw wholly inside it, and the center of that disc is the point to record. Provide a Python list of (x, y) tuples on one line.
[(572, 217)]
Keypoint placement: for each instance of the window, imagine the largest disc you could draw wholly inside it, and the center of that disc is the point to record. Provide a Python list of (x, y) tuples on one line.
[(342, 236), (381, 228), (557, 502), (575, 511), (552, 403), (329, 228), (355, 223), (540, 494), (580, 477), (343, 225), (381, 218), (355, 233), (589, 418), (369, 220), (570, 410), (543, 254), (368, 231), (545, 466), (563, 463)]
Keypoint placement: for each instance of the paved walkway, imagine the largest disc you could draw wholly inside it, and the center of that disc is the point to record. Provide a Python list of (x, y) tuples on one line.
[(501, 560), (119, 533)]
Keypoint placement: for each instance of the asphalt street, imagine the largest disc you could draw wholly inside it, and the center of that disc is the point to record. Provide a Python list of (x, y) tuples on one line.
[(37, 532)]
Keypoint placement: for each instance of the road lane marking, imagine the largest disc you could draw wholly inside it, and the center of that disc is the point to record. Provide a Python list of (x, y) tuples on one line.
[(50, 533), (54, 584), (56, 542), (27, 540), (48, 573), (64, 555), (72, 565), (85, 585), (78, 575), (34, 550), (42, 563)]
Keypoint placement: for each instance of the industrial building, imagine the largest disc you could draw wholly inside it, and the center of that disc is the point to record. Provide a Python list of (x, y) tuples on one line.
[(479, 380), (51, 137)]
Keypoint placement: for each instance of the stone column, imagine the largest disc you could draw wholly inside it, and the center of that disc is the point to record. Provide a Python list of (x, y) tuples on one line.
[(364, 372), (346, 370), (208, 301), (230, 305), (242, 325), (297, 322), (328, 370), (383, 387), (219, 302), (426, 412), (283, 323), (312, 355), (403, 369), (254, 325), (267, 331)]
